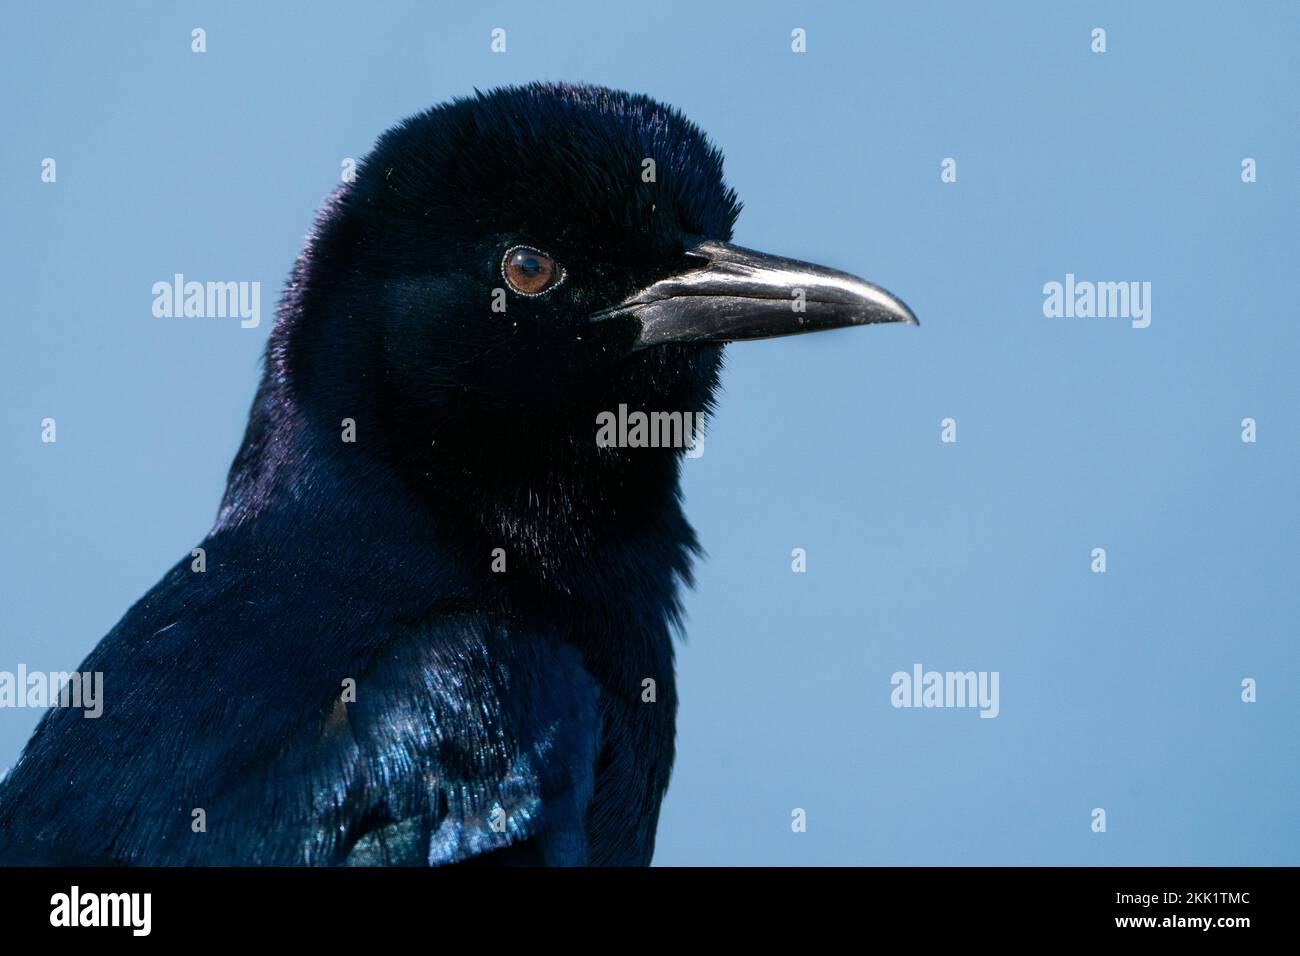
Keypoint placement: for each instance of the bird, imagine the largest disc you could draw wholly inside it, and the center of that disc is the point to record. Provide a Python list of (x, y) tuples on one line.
[(433, 622)]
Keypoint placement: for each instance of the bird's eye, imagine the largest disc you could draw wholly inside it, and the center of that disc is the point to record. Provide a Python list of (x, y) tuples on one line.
[(530, 272)]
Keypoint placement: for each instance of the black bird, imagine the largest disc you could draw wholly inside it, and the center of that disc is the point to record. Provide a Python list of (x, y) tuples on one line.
[(431, 600)]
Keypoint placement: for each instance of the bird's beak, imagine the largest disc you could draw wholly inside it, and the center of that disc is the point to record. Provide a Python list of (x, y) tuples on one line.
[(742, 294)]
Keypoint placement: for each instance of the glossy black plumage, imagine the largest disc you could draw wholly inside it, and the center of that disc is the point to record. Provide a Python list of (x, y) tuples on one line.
[(480, 696)]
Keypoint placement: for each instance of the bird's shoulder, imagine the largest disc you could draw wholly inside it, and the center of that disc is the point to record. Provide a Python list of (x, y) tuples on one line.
[(311, 720)]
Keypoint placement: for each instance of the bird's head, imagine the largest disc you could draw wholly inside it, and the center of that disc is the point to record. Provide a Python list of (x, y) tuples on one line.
[(508, 266)]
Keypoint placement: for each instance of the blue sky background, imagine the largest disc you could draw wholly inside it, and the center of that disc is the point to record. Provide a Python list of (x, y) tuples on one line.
[(1119, 691)]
